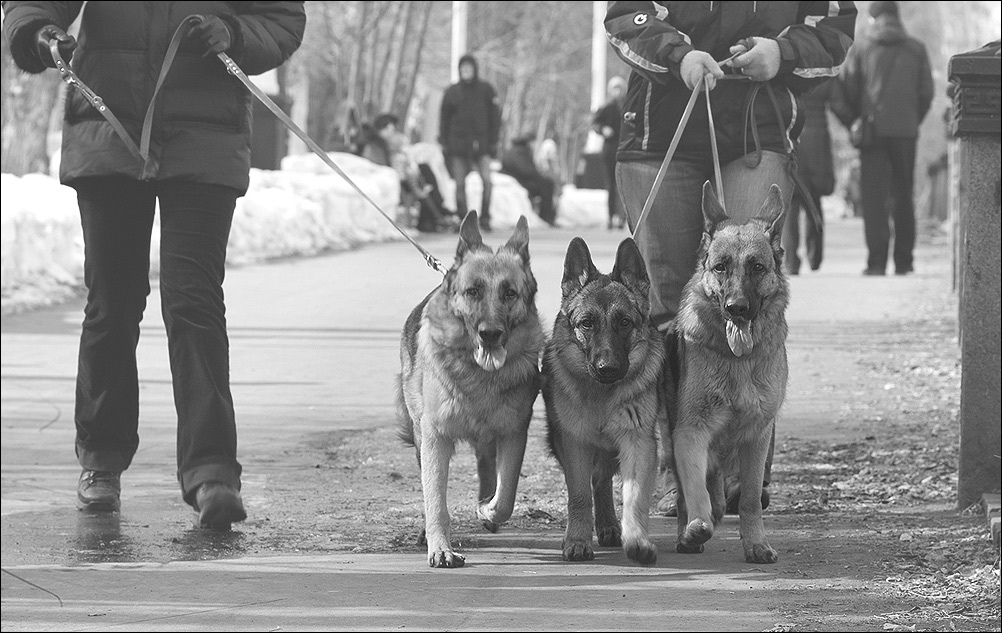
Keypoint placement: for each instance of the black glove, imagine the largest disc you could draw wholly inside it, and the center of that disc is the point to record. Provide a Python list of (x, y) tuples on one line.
[(213, 34), (49, 32)]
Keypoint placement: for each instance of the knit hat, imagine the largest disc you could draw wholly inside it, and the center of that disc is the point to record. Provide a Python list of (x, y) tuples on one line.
[(878, 9)]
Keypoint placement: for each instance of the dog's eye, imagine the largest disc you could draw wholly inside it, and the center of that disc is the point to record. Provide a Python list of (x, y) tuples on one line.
[(720, 268), (586, 324), (626, 323), (472, 292), (758, 267), (510, 294)]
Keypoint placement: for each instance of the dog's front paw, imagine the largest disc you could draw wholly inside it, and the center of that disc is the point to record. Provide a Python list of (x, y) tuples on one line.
[(445, 558), (696, 533), (610, 536), (760, 553), (578, 551), (642, 551)]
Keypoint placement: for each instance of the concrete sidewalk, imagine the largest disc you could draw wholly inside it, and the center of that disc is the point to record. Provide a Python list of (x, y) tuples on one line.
[(314, 348)]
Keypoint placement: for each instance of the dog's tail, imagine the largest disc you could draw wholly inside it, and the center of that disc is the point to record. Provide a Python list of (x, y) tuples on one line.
[(405, 424)]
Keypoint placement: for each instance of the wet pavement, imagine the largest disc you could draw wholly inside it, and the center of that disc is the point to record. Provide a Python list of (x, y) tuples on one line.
[(314, 347)]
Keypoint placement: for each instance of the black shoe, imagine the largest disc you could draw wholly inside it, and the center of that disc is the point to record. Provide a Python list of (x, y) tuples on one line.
[(485, 226), (904, 271), (874, 272), (99, 491), (218, 506)]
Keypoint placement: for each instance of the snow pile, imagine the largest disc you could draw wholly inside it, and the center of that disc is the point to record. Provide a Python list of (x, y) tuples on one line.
[(303, 209)]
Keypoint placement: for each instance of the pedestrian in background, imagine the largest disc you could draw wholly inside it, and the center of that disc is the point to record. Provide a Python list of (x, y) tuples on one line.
[(882, 95), (198, 136), (519, 163), (785, 49), (817, 173), (607, 122), (469, 126)]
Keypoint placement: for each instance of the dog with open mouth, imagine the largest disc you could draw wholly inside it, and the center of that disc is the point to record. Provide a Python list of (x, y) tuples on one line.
[(469, 358), (726, 373)]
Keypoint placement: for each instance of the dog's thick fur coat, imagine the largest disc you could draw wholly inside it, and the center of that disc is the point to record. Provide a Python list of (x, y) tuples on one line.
[(726, 373), (602, 374), (469, 360)]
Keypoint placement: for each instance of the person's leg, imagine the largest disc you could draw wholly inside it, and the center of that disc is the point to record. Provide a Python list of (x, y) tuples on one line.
[(814, 235), (791, 237), (546, 209), (669, 235), (609, 162), (484, 169), (195, 221), (902, 159), (459, 168), (874, 174), (116, 215)]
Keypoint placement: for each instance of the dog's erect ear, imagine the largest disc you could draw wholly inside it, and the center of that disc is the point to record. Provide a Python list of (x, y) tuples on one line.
[(630, 269), (772, 211), (713, 211), (469, 235), (519, 240), (772, 214), (578, 268)]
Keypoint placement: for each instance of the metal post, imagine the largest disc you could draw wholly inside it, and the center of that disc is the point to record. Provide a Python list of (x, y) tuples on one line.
[(460, 11)]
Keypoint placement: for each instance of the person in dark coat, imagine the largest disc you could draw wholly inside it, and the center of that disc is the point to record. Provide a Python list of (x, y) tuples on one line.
[(607, 122), (886, 84), (817, 172), (519, 163), (469, 126), (193, 134)]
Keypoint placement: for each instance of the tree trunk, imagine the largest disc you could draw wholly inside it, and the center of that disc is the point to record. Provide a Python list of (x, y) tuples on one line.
[(28, 101)]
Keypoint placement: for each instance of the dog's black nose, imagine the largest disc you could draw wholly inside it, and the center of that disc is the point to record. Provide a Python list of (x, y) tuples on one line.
[(490, 336), (737, 308), (609, 372)]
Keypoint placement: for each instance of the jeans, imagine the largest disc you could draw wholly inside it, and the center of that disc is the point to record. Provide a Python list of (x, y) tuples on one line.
[(673, 228), (459, 168), (886, 182), (117, 218)]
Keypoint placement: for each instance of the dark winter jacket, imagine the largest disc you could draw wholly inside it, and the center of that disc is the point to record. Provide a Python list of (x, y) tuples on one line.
[(609, 115), (653, 37), (470, 117), (201, 122), (887, 75)]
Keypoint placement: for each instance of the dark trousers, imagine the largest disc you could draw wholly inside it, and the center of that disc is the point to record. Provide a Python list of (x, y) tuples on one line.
[(117, 218), (813, 235), (886, 188), (615, 206), (542, 189), (459, 168)]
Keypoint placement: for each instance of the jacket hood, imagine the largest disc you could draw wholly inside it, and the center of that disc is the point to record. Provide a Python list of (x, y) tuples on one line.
[(887, 29), (469, 59)]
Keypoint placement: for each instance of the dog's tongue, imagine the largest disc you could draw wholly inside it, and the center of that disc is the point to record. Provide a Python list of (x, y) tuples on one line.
[(739, 337), (490, 359)]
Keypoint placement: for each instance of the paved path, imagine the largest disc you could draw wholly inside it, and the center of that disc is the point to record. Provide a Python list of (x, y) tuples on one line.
[(314, 348)]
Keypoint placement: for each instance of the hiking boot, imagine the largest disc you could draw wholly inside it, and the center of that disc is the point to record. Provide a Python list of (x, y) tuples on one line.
[(99, 491), (218, 506)]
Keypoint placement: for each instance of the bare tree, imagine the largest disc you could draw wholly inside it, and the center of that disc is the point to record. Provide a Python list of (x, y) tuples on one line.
[(28, 102)]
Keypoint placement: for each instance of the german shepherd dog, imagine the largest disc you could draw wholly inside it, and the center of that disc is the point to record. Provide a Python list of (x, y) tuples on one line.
[(469, 358), (726, 373), (602, 374)]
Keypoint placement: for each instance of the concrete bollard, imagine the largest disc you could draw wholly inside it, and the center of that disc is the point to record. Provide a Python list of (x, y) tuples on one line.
[(977, 206)]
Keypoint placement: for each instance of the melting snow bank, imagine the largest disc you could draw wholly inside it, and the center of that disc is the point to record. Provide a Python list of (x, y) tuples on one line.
[(302, 210)]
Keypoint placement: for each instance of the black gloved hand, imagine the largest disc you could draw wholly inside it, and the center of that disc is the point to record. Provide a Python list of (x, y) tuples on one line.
[(49, 32), (213, 34)]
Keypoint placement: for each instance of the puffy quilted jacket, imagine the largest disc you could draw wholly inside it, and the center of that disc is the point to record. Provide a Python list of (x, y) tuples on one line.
[(653, 37), (201, 121)]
